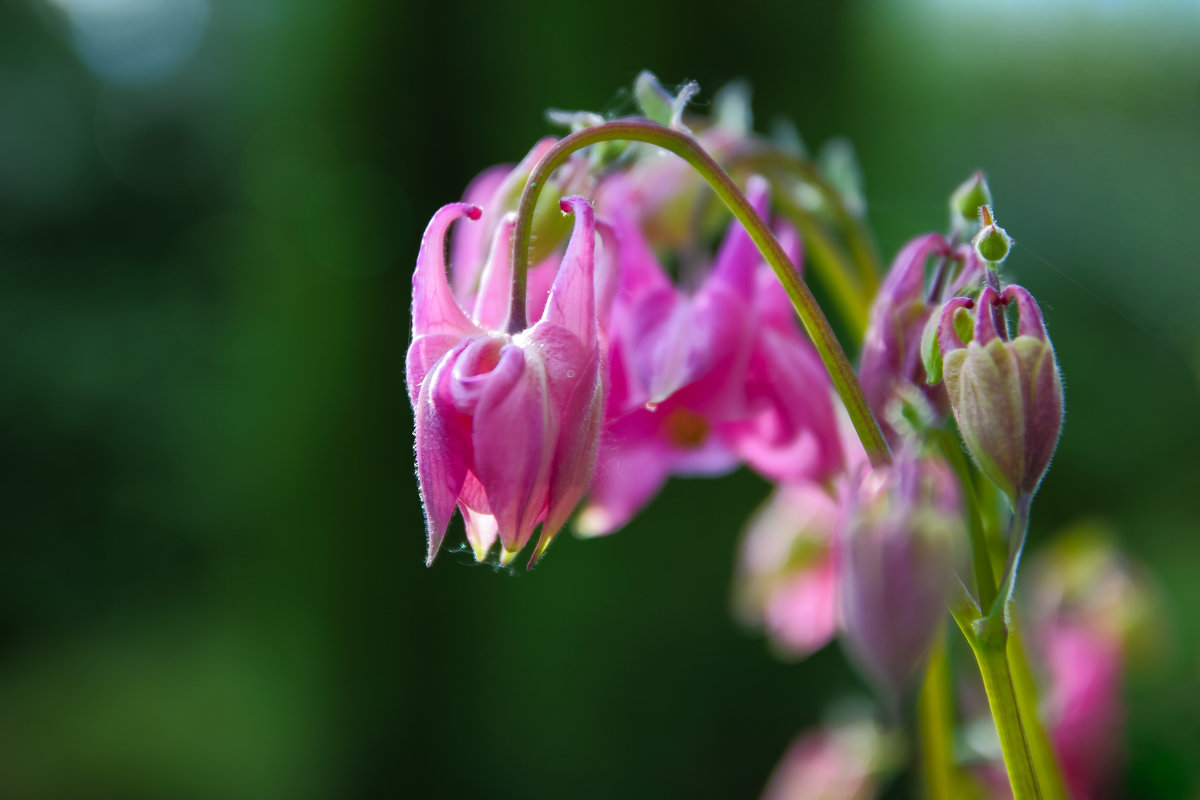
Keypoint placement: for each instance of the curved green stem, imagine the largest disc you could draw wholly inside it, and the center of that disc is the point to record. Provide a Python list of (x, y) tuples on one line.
[(832, 265), (857, 236), (683, 145)]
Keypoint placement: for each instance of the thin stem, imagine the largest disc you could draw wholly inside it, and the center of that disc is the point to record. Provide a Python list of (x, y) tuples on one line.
[(997, 617), (855, 231), (1002, 699), (1044, 758), (981, 559), (937, 725), (833, 267), (811, 316)]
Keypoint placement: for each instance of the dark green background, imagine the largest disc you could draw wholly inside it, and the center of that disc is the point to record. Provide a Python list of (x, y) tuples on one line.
[(211, 561)]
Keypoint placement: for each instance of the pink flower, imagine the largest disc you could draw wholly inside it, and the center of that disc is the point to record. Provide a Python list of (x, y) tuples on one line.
[(506, 424), (785, 579), (1006, 394), (899, 528), (703, 381), (835, 762), (891, 356)]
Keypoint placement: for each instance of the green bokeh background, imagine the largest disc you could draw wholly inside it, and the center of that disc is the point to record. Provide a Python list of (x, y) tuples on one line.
[(211, 563)]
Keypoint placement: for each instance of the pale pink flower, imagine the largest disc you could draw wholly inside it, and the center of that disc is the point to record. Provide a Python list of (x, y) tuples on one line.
[(785, 580), (835, 762)]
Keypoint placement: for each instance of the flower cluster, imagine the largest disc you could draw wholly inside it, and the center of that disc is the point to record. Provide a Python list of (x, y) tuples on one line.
[(626, 378), (582, 360)]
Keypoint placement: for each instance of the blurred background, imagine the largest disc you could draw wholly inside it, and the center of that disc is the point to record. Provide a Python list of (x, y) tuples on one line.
[(211, 562)]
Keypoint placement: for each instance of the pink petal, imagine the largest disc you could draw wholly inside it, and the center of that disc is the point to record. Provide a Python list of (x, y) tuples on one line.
[(629, 472), (608, 273), (443, 449), (513, 442), (789, 432), (434, 309), (572, 302), (495, 285), (738, 256), (467, 245)]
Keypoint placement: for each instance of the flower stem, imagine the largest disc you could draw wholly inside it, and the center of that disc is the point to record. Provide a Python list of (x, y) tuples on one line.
[(683, 145), (992, 657), (997, 618), (833, 267), (985, 581), (1044, 758), (937, 725), (855, 231)]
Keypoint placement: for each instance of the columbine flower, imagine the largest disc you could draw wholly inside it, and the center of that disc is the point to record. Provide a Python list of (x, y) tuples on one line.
[(899, 529), (506, 424), (891, 357), (701, 381), (785, 580), (1006, 395)]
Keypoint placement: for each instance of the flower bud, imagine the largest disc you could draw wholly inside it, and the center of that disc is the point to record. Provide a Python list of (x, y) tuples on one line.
[(971, 195), (992, 243), (1006, 395), (899, 526)]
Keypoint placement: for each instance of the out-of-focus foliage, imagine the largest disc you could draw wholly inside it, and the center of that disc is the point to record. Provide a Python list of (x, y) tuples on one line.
[(211, 579)]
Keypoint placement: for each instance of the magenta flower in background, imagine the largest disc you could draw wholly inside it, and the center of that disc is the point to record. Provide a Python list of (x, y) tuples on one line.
[(701, 382), (506, 424)]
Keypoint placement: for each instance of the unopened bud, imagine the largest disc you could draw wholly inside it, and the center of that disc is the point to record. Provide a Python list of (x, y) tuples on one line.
[(900, 529), (992, 243), (1006, 395), (968, 198)]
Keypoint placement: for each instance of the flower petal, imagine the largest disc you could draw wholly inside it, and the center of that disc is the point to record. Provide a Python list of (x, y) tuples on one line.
[(572, 302), (513, 443), (443, 449), (738, 257), (495, 285), (434, 309)]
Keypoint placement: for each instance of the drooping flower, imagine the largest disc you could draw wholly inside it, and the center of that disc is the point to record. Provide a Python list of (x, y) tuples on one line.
[(506, 423), (1006, 395), (891, 353), (899, 529)]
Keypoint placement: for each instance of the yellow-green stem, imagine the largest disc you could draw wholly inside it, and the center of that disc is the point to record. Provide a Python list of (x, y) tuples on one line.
[(991, 656), (937, 725), (855, 231), (683, 145), (1045, 761), (832, 267)]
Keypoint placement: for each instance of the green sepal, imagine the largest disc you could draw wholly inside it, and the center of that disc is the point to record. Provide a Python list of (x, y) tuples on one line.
[(654, 101), (931, 351)]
